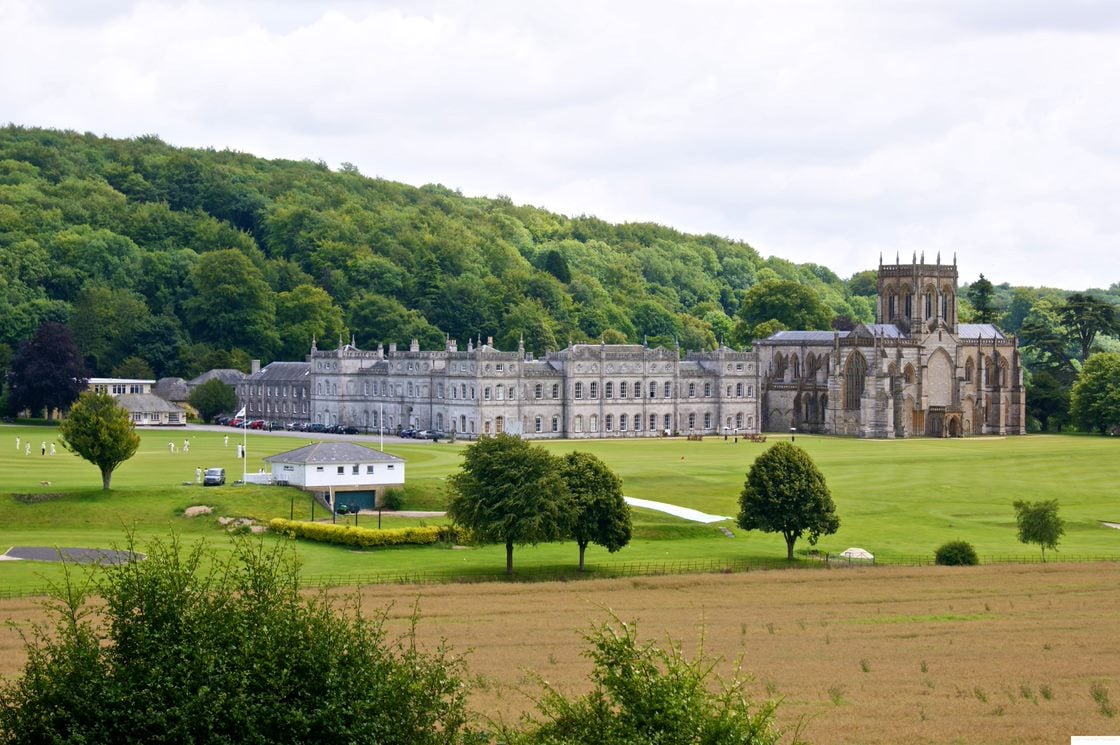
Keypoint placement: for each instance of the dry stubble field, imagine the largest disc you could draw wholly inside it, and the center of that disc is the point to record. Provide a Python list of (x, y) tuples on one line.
[(998, 654)]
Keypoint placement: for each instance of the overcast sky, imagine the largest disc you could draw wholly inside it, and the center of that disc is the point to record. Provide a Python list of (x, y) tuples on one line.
[(828, 132)]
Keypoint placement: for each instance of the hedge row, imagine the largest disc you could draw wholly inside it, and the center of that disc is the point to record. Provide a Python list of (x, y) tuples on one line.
[(348, 535)]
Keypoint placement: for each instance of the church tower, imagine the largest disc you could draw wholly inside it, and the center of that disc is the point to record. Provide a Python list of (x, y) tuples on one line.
[(918, 296)]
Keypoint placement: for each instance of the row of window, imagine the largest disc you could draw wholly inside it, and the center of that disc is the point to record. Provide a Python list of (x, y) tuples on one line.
[(274, 391), (269, 407), (635, 423), (501, 393)]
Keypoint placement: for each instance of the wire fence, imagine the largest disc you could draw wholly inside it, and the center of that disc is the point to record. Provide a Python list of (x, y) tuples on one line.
[(638, 569)]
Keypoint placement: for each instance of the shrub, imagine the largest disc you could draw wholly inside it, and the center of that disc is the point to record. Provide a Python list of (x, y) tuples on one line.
[(348, 535), (956, 554), (392, 499), (189, 646)]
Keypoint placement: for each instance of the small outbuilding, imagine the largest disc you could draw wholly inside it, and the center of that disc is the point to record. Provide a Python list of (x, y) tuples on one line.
[(343, 473), (857, 554)]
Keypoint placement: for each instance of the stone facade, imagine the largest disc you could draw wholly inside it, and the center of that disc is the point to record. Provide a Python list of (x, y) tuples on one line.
[(916, 371)]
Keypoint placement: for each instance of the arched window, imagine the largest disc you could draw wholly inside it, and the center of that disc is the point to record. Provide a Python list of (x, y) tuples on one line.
[(668, 420), (510, 393), (668, 390), (908, 374), (555, 424), (538, 390), (499, 424), (594, 422), (439, 421), (969, 370), (854, 372), (594, 390), (927, 303), (907, 302), (608, 423), (608, 390), (652, 422), (637, 422), (892, 306), (577, 424), (538, 424), (652, 390), (501, 393), (739, 420), (739, 389), (462, 423), (692, 390), (707, 390), (622, 422), (622, 389), (692, 421), (707, 420), (579, 390), (795, 364), (637, 389), (556, 390)]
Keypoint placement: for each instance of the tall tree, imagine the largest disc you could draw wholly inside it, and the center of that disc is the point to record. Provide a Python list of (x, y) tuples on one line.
[(99, 430), (600, 513), (304, 313), (1085, 317), (1095, 399), (46, 372), (981, 294), (1047, 401), (791, 304), (1038, 522), (786, 493), (212, 398), (508, 491), (233, 306)]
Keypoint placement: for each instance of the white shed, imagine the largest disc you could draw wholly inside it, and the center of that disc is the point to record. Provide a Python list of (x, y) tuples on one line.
[(347, 474)]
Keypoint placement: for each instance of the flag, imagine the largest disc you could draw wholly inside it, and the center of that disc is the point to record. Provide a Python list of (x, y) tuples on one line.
[(241, 413)]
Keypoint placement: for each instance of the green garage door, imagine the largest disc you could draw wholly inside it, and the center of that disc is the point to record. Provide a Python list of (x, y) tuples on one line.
[(363, 500)]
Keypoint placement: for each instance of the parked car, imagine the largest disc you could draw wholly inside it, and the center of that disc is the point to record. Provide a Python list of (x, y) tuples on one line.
[(214, 477), (408, 432), (222, 419), (349, 430), (431, 434)]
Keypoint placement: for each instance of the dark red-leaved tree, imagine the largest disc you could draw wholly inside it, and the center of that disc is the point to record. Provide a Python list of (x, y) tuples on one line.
[(47, 371)]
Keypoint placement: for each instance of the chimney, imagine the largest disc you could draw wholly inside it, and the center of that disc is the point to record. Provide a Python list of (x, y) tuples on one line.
[(392, 347), (414, 345), (489, 341), (254, 367)]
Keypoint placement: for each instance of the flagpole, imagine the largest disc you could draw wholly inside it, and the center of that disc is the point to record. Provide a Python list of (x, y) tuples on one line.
[(381, 424), (244, 450)]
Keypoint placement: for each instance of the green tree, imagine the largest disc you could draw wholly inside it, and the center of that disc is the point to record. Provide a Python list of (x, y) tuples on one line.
[(302, 314), (508, 491), (232, 306), (1085, 317), (1038, 522), (980, 294), (600, 513), (956, 554), (643, 693), (212, 398), (209, 647), (1047, 401), (134, 367), (46, 372), (1095, 399), (792, 304), (99, 430), (786, 493)]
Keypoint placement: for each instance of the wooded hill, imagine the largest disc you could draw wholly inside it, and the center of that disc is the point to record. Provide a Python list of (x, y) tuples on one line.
[(171, 261), (190, 258)]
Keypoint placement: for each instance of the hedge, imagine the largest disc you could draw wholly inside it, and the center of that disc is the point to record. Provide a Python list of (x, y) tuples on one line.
[(348, 535)]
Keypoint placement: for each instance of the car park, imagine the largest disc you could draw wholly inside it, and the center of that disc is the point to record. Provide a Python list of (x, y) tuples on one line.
[(214, 477)]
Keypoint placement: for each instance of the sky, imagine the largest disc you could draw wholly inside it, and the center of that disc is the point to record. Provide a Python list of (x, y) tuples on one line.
[(828, 132)]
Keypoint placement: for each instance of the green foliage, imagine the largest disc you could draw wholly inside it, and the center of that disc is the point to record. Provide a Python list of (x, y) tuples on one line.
[(786, 493), (956, 554), (1038, 522), (392, 499), (212, 398), (1095, 399), (350, 535), (1047, 401), (600, 513), (789, 303), (1085, 317), (980, 295), (510, 492), (643, 693), (192, 647), (99, 430)]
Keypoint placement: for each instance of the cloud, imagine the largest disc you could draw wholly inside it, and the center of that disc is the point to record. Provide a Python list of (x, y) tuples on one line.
[(816, 131)]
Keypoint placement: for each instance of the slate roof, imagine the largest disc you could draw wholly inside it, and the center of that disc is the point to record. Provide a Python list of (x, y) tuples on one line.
[(979, 331), (172, 389), (282, 371), (803, 337), (146, 402), (228, 376), (333, 452)]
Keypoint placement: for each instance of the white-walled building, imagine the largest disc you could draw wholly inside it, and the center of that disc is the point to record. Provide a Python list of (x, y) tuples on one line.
[(342, 472), (135, 395)]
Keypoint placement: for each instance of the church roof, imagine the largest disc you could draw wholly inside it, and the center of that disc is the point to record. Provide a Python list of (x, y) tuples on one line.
[(333, 452), (804, 337), (979, 331)]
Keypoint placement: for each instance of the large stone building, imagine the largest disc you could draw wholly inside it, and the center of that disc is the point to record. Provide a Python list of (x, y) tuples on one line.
[(916, 371)]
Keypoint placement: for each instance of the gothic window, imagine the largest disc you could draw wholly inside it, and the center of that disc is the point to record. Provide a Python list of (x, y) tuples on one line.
[(927, 301), (795, 364), (854, 372), (907, 303), (892, 306), (908, 374), (969, 369)]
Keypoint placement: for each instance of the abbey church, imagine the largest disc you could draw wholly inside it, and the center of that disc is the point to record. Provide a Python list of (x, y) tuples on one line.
[(917, 371)]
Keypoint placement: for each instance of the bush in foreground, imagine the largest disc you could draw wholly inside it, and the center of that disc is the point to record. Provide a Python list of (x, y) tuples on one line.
[(190, 647), (956, 554), (349, 535)]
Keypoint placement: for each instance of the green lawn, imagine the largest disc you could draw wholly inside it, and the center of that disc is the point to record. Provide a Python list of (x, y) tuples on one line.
[(898, 499)]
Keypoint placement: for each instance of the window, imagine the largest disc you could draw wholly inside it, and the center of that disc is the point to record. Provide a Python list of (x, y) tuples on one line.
[(499, 425), (354, 470), (739, 420), (854, 372), (500, 367), (692, 421), (594, 422), (692, 390), (341, 470), (707, 390), (501, 393), (318, 469), (369, 469), (439, 390), (509, 393), (637, 422), (390, 466), (486, 393), (555, 424), (708, 420), (729, 391), (608, 390), (652, 422), (668, 422), (653, 390), (579, 390), (739, 389), (622, 422), (538, 390), (608, 423), (556, 390), (622, 389), (637, 389), (594, 390), (668, 390), (578, 423), (537, 424)]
